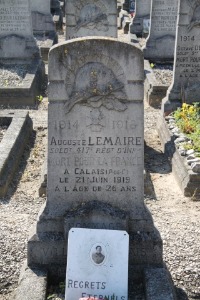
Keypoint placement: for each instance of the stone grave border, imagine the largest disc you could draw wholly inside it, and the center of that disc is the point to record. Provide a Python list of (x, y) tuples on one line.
[(33, 283), (12, 144), (188, 181), (153, 90), (26, 93)]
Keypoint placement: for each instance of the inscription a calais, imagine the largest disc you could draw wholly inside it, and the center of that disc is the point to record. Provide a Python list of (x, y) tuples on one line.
[(15, 17)]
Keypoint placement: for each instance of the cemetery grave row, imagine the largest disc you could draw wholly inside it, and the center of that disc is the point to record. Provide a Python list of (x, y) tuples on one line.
[(96, 131)]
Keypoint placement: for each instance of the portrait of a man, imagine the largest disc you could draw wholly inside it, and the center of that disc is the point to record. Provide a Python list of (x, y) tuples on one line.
[(98, 256)]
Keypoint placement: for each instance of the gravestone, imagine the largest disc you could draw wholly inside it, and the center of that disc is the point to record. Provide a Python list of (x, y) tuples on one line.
[(161, 40), (185, 85), (95, 152), (97, 264), (142, 14), (43, 26), (19, 54), (91, 18)]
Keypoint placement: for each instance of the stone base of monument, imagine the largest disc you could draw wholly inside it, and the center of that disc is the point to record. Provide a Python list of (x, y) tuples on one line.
[(156, 284), (25, 92), (12, 144), (168, 106), (154, 91), (136, 27), (156, 50), (45, 43), (47, 245), (188, 181)]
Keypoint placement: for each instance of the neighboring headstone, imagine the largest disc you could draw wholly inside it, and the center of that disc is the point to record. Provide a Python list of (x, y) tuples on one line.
[(91, 18), (95, 152), (43, 26), (97, 264), (57, 13), (142, 16), (185, 86), (161, 41), (20, 60)]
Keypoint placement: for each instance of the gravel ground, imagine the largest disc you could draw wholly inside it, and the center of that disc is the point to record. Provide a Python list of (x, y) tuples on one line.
[(163, 73), (12, 75), (176, 217)]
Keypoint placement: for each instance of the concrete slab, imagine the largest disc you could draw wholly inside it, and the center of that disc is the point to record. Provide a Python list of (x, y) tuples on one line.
[(12, 144), (32, 284)]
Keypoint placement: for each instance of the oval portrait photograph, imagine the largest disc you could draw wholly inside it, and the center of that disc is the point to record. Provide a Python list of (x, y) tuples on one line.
[(98, 254)]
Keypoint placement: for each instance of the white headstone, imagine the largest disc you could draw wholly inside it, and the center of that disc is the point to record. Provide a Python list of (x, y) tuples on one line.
[(97, 264)]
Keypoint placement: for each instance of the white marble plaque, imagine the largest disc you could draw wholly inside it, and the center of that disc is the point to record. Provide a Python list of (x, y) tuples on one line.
[(97, 264)]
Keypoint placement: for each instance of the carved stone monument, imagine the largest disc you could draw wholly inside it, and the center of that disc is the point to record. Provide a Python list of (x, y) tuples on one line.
[(91, 18), (43, 26), (95, 153), (185, 86), (142, 14), (19, 54), (161, 40), (97, 264)]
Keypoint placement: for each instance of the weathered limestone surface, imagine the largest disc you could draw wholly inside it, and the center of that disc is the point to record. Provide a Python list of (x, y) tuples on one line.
[(91, 18), (161, 41), (95, 152), (185, 86), (12, 145), (18, 47), (43, 26)]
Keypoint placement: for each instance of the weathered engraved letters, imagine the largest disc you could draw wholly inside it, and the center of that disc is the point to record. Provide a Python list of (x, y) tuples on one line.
[(95, 145), (161, 41), (185, 85)]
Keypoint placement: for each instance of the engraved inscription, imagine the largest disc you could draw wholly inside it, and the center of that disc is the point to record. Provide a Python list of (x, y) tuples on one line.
[(15, 17), (164, 17)]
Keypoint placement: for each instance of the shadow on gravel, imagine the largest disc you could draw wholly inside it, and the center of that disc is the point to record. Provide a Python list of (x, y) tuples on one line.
[(20, 169), (180, 294), (156, 161)]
